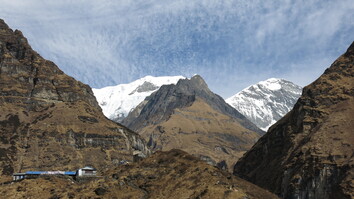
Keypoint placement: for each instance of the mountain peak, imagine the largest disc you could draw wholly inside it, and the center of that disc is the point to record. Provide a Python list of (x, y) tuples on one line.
[(189, 116), (267, 101), (34, 76), (195, 84), (118, 101), (3, 25), (309, 152), (199, 81), (197, 77), (273, 79), (49, 120), (185, 93), (272, 83)]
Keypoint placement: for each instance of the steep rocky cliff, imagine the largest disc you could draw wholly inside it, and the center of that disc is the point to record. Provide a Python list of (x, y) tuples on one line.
[(49, 120), (309, 153), (189, 116)]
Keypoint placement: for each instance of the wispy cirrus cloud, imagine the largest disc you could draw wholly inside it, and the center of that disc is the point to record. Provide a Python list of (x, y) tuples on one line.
[(232, 44)]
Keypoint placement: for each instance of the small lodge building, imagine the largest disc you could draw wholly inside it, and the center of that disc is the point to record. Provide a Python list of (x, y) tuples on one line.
[(86, 172), (83, 172), (18, 176)]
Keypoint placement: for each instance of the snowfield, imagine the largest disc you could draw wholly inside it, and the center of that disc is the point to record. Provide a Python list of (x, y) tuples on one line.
[(117, 101), (267, 101)]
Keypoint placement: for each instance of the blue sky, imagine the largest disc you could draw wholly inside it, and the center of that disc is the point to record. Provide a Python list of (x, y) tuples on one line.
[(232, 44)]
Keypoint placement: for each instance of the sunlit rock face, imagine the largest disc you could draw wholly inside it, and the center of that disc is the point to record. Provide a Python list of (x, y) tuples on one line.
[(49, 120), (308, 153), (190, 117)]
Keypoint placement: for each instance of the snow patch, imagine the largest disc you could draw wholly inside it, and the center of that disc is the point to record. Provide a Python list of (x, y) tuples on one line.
[(271, 84)]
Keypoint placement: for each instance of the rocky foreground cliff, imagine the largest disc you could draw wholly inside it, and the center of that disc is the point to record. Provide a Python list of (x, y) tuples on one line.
[(309, 153), (189, 116), (49, 120), (172, 174)]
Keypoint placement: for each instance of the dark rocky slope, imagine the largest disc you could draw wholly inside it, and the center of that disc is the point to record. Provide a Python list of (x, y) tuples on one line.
[(309, 153), (189, 116), (49, 120), (172, 174)]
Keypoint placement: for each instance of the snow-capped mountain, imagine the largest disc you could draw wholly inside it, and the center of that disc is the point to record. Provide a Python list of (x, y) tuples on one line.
[(267, 101), (117, 101)]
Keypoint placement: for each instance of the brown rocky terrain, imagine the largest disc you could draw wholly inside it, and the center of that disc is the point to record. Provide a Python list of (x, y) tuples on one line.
[(172, 174), (190, 117), (49, 120), (309, 153)]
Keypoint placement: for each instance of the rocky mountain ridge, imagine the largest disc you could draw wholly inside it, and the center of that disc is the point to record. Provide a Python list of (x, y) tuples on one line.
[(49, 120), (189, 116), (309, 152), (267, 101), (183, 94)]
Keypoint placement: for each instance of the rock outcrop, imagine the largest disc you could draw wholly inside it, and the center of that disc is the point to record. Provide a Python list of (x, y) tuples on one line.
[(309, 152), (49, 120), (189, 116)]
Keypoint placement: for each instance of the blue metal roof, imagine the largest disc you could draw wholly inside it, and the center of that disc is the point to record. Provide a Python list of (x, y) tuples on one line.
[(70, 173), (34, 172)]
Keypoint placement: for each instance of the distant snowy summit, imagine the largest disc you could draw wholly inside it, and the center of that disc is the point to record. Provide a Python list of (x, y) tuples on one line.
[(267, 101), (117, 101)]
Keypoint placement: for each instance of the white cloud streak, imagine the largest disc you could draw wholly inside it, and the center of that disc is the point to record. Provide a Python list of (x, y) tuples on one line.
[(231, 43)]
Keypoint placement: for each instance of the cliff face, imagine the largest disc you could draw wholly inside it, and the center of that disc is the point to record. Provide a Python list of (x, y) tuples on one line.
[(189, 116), (309, 152), (24, 73), (49, 120)]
